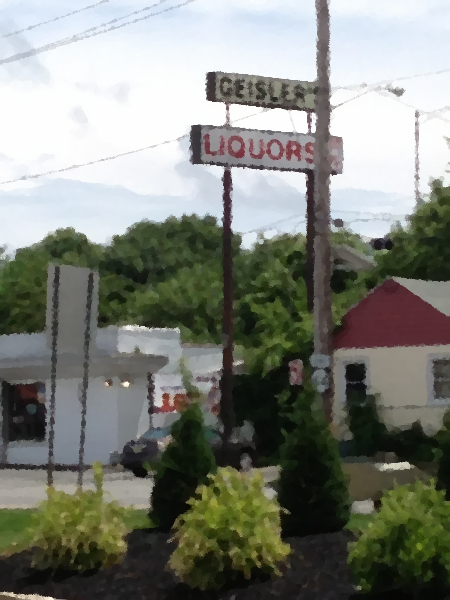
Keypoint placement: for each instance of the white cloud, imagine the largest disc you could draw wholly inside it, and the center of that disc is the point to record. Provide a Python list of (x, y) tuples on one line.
[(146, 84)]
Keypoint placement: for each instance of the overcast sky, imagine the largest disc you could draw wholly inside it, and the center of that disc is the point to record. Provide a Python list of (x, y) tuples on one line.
[(145, 83)]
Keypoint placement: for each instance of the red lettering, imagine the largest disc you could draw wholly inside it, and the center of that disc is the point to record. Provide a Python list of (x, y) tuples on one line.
[(236, 153), (309, 149), (220, 151), (261, 149), (293, 149), (280, 148), (180, 401), (166, 403)]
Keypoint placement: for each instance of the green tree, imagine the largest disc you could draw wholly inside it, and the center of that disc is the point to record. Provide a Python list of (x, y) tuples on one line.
[(190, 300), (68, 246), (312, 485), (149, 253), (183, 466), (421, 250), (23, 293)]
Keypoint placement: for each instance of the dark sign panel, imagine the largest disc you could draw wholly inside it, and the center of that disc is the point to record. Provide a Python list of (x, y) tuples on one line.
[(265, 92)]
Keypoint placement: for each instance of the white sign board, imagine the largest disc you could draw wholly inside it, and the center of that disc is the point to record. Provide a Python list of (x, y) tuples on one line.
[(254, 149), (266, 92), (73, 287)]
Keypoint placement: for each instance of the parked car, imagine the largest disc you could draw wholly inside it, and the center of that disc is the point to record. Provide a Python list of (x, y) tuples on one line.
[(152, 444)]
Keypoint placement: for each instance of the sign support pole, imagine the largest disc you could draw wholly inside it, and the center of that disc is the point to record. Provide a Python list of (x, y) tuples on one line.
[(85, 385), (323, 320), (54, 359), (310, 233), (226, 382)]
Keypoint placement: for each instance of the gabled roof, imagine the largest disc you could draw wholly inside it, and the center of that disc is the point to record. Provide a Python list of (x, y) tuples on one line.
[(435, 293), (352, 258)]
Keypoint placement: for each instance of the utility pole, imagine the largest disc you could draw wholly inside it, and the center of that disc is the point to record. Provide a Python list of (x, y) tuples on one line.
[(322, 361), (226, 382), (419, 201), (309, 233)]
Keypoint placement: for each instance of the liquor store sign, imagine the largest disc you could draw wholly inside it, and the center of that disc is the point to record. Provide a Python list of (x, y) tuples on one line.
[(255, 149), (267, 92)]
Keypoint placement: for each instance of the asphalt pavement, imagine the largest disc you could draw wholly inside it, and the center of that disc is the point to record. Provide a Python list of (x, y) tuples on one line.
[(26, 488)]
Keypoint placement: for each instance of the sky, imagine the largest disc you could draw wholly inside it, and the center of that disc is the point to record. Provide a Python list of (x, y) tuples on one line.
[(145, 83)]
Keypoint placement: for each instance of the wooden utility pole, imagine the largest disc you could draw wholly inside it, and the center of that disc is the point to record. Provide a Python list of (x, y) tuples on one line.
[(417, 166), (226, 382), (323, 321)]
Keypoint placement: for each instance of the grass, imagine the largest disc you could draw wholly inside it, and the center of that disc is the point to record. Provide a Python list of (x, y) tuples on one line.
[(13, 523)]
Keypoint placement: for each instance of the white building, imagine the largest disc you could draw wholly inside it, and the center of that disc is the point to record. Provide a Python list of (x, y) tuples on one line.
[(121, 359)]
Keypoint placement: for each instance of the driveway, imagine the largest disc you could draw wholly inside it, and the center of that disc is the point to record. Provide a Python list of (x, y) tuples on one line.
[(25, 489)]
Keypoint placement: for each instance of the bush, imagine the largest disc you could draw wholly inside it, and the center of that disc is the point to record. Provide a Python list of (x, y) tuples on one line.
[(407, 544), (412, 444), (231, 529), (369, 433), (77, 532), (184, 464), (312, 485), (443, 474)]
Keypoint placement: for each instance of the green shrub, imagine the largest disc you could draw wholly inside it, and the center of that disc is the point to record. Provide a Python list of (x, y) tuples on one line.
[(231, 529), (369, 433), (407, 544), (77, 531), (312, 485), (184, 464), (412, 444)]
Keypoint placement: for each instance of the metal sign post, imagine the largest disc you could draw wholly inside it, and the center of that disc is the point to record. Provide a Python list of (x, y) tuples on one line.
[(54, 359), (236, 147), (226, 381), (309, 275), (87, 343)]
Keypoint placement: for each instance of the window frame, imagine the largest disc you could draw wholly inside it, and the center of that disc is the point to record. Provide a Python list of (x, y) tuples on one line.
[(432, 358), (342, 381)]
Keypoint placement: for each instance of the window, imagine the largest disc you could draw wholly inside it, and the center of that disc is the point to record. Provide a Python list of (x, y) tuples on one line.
[(24, 407), (355, 379), (441, 379)]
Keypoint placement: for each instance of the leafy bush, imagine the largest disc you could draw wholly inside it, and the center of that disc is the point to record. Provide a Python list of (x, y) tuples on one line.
[(312, 485), (412, 444), (184, 464), (369, 433), (443, 439), (78, 531), (407, 544), (231, 529)]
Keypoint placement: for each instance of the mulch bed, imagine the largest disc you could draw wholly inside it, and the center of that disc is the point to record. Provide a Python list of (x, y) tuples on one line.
[(318, 571)]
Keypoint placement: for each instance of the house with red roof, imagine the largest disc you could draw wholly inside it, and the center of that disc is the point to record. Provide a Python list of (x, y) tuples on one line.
[(396, 342)]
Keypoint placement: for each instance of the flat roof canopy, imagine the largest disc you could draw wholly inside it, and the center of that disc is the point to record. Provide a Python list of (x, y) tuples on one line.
[(71, 367)]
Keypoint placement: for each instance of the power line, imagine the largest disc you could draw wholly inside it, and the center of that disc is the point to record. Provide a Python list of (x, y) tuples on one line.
[(36, 176), (93, 162), (389, 81), (86, 35), (385, 217), (53, 20)]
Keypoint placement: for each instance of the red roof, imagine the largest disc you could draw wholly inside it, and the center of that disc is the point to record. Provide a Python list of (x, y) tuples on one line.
[(392, 315)]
